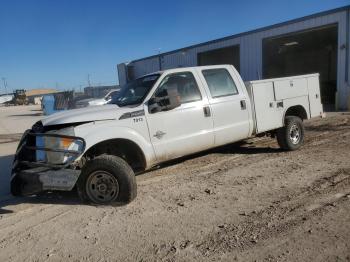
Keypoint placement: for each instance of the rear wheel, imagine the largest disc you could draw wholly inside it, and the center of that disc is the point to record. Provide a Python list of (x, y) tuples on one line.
[(291, 136), (107, 179)]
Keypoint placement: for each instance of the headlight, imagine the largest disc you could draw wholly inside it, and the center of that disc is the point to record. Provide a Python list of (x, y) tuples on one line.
[(59, 148)]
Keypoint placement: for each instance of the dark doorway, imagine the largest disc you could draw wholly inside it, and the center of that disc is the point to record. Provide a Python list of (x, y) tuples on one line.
[(311, 51), (228, 55)]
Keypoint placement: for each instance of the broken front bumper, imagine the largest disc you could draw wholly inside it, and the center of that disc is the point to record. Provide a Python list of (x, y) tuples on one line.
[(31, 175)]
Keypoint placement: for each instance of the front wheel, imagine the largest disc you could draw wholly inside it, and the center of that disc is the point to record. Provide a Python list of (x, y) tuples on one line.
[(107, 179), (291, 136)]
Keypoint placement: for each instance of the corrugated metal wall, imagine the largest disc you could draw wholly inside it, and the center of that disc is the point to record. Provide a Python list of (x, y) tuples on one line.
[(251, 51)]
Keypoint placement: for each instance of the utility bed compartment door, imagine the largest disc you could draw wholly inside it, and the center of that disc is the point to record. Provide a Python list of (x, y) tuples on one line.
[(313, 85), (268, 112), (290, 88)]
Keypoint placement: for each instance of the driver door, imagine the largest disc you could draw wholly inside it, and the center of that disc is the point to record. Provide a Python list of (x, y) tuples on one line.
[(186, 129)]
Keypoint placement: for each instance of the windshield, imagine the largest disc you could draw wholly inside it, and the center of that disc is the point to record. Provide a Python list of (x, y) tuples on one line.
[(134, 93)]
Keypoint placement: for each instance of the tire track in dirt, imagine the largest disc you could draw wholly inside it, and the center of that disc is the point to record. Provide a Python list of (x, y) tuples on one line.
[(26, 222), (279, 218)]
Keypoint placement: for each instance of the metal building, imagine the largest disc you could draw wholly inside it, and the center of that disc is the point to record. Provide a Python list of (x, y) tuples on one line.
[(315, 43)]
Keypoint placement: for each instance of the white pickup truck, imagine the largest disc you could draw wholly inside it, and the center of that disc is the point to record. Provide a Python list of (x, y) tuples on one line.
[(156, 118)]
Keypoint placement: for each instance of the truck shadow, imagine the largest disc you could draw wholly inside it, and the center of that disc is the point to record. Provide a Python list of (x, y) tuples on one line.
[(242, 147), (52, 198), (31, 115), (246, 149), (56, 198), (59, 198), (328, 127), (5, 211)]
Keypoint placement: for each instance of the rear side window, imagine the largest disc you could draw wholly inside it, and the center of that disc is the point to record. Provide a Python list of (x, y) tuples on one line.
[(220, 82), (186, 85)]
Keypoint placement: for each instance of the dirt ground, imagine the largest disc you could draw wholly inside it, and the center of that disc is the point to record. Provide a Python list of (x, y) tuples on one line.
[(248, 202)]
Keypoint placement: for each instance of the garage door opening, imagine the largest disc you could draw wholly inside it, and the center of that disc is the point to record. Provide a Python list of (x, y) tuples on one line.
[(228, 55), (312, 51)]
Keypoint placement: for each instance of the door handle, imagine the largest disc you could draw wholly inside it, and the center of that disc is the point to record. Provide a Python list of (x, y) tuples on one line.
[(243, 105), (206, 111)]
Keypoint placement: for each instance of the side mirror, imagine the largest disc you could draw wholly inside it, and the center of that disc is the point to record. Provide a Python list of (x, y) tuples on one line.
[(153, 106), (167, 99)]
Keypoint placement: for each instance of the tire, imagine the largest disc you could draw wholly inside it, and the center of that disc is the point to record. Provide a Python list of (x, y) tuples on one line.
[(291, 136), (107, 179)]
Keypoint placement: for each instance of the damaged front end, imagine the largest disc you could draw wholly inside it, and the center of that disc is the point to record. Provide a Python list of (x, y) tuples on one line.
[(45, 160)]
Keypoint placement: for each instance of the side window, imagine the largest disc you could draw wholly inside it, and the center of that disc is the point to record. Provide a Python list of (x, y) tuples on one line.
[(186, 86), (220, 82)]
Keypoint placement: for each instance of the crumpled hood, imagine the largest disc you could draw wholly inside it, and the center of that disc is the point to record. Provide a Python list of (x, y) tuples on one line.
[(86, 114)]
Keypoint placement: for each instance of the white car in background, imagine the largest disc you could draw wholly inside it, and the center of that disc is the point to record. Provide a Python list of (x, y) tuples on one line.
[(97, 101)]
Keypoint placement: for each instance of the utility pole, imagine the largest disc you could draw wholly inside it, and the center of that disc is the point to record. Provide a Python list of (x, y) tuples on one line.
[(159, 59), (88, 78), (5, 84)]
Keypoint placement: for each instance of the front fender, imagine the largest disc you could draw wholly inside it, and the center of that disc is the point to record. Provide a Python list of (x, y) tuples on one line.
[(96, 132)]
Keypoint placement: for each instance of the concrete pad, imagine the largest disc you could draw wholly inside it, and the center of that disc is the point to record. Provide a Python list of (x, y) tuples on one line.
[(16, 119)]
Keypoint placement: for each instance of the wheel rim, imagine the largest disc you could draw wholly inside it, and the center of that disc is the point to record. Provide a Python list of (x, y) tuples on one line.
[(294, 134), (102, 187)]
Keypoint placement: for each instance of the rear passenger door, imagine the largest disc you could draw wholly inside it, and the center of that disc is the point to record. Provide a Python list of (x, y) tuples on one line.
[(228, 104)]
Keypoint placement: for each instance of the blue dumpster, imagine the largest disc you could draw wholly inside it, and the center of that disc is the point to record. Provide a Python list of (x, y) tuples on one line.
[(57, 102), (48, 104)]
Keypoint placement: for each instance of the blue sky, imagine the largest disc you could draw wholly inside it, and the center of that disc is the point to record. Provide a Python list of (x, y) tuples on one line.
[(46, 43)]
